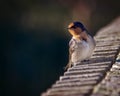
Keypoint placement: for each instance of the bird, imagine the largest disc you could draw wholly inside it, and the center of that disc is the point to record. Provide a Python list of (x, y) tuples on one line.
[(81, 45)]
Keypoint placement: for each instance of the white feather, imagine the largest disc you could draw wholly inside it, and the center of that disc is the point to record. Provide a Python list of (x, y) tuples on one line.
[(82, 49)]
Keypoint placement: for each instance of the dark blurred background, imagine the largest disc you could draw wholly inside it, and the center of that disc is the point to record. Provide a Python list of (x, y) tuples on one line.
[(34, 39)]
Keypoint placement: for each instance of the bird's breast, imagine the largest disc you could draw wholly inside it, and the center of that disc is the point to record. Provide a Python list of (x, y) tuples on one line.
[(81, 50)]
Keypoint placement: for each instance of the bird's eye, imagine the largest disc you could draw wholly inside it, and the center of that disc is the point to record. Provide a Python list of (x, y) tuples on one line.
[(73, 27)]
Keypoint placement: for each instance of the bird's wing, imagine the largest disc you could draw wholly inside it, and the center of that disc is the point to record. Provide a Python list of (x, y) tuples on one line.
[(71, 50)]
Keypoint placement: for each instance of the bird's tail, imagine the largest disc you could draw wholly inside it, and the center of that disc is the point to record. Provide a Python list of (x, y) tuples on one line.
[(68, 66)]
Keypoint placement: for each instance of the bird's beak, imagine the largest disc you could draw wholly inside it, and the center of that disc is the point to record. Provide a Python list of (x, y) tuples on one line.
[(68, 28)]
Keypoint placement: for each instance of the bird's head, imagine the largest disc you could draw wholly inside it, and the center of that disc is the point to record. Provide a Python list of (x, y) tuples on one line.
[(76, 29)]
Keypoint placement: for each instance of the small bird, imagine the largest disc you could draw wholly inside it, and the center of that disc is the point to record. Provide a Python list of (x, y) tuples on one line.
[(81, 45)]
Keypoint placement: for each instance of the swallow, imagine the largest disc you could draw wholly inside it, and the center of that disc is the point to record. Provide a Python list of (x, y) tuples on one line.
[(81, 45)]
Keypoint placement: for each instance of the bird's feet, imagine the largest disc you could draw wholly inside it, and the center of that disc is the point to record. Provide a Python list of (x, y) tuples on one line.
[(87, 60)]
